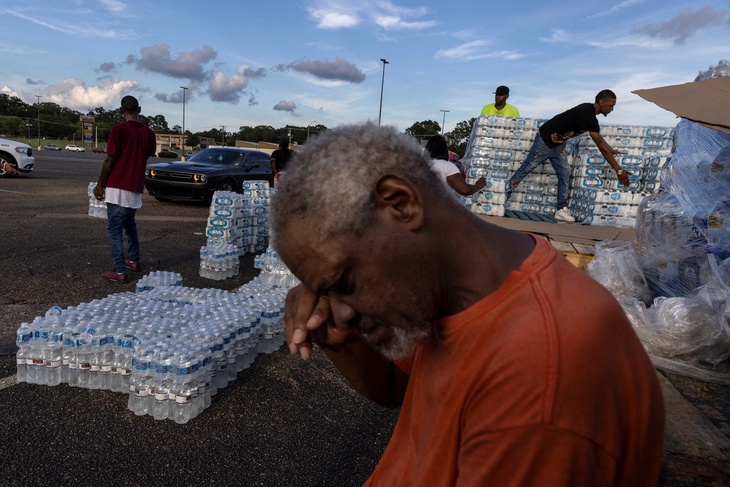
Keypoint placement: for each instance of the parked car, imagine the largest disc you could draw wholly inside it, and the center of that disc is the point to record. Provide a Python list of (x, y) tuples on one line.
[(221, 168), (51, 147), (75, 148), (101, 150), (18, 154), (189, 154)]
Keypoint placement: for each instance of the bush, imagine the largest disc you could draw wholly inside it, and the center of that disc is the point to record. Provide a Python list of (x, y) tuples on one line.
[(168, 154)]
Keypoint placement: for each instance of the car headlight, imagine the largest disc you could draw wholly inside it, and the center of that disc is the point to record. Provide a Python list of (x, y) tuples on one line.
[(151, 173), (23, 150), (200, 178)]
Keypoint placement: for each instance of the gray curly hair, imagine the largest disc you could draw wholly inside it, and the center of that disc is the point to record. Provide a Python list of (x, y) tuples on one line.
[(330, 181)]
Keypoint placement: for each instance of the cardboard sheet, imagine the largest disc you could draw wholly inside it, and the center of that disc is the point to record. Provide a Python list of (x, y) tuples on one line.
[(706, 102)]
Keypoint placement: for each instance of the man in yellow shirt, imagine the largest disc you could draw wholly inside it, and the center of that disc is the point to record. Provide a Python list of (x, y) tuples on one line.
[(500, 107)]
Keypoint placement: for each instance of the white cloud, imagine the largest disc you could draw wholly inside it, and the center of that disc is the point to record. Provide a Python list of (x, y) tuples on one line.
[(333, 20), (73, 93), (472, 50), (345, 14)]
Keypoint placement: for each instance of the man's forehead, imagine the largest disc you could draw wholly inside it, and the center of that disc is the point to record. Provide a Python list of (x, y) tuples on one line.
[(308, 256)]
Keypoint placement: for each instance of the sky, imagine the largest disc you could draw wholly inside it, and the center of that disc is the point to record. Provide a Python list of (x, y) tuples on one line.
[(310, 62)]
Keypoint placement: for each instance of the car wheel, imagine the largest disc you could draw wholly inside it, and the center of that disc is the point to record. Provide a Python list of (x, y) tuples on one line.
[(227, 185)]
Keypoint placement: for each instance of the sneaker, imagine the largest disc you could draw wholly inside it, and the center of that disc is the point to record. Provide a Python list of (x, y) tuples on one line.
[(133, 266), (563, 215), (116, 277)]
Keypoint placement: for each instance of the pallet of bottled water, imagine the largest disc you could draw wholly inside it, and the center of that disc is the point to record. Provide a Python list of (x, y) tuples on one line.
[(499, 145), (168, 347), (237, 224)]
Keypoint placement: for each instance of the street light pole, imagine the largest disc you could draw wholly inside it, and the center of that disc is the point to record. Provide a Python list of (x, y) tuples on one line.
[(38, 97), (382, 83), (183, 128), (443, 122)]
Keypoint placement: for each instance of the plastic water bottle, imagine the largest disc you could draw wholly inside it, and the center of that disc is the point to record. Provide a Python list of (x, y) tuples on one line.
[(52, 358), (22, 340)]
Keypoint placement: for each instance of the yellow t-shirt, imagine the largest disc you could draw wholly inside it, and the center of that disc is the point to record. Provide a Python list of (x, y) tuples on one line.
[(507, 111)]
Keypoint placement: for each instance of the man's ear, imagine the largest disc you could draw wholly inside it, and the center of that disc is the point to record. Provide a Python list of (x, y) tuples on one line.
[(400, 200)]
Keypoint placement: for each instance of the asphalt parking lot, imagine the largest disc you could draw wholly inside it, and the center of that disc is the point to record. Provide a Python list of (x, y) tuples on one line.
[(282, 422)]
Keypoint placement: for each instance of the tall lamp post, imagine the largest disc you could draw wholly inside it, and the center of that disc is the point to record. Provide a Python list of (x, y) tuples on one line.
[(382, 83), (38, 97), (443, 122), (184, 88)]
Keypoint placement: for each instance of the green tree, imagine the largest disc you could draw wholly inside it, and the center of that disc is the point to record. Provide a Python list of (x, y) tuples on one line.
[(458, 138), (192, 140), (424, 129)]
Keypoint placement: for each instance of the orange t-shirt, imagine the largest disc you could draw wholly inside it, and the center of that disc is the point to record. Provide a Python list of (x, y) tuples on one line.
[(543, 382)]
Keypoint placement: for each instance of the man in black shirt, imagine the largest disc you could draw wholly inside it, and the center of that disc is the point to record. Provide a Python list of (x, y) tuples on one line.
[(280, 158), (549, 145)]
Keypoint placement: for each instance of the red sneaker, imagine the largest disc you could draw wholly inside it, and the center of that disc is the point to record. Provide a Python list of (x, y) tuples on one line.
[(133, 266), (116, 277)]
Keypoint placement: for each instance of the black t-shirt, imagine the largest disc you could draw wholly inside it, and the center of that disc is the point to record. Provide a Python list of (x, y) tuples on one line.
[(569, 124), (281, 158)]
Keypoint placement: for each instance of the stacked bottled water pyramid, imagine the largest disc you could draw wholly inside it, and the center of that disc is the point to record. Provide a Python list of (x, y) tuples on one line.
[(169, 347), (498, 146), (237, 223)]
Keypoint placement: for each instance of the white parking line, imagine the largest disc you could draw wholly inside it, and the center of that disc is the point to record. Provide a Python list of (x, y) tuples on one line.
[(16, 192), (6, 382)]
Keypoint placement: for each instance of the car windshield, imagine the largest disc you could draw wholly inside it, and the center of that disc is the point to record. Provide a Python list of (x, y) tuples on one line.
[(217, 156)]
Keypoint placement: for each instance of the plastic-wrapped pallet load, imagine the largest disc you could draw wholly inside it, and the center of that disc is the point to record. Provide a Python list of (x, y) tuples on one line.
[(683, 253)]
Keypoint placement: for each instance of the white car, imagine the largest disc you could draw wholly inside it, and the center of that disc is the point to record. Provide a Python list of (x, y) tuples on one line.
[(75, 148), (18, 154)]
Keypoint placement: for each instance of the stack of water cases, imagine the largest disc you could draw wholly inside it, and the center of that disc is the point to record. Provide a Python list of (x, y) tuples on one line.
[(597, 196), (499, 145), (237, 224), (169, 348), (496, 148)]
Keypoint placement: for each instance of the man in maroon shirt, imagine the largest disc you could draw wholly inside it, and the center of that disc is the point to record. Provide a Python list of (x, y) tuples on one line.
[(121, 184)]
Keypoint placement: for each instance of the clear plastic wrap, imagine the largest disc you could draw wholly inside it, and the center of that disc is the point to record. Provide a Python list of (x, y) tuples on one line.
[(616, 266), (688, 218)]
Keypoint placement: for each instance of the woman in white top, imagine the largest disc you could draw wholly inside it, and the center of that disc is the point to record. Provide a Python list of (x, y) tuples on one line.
[(439, 152)]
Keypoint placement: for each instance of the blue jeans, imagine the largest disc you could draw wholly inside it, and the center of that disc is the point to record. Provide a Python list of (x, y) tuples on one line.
[(121, 219), (539, 153)]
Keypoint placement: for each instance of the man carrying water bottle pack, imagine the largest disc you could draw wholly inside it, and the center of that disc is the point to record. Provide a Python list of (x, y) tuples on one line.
[(121, 184)]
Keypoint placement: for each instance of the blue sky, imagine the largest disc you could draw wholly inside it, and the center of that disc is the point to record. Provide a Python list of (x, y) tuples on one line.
[(318, 61)]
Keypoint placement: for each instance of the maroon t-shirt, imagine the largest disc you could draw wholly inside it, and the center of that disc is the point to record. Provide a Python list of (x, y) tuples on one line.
[(131, 144)]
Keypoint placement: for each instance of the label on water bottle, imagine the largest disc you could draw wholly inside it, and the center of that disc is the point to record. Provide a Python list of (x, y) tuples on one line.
[(160, 396), (73, 365), (183, 399), (132, 388), (125, 371), (53, 363), (106, 368), (141, 392), (95, 368)]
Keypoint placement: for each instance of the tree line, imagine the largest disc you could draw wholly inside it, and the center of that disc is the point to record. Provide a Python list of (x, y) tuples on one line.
[(19, 119)]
